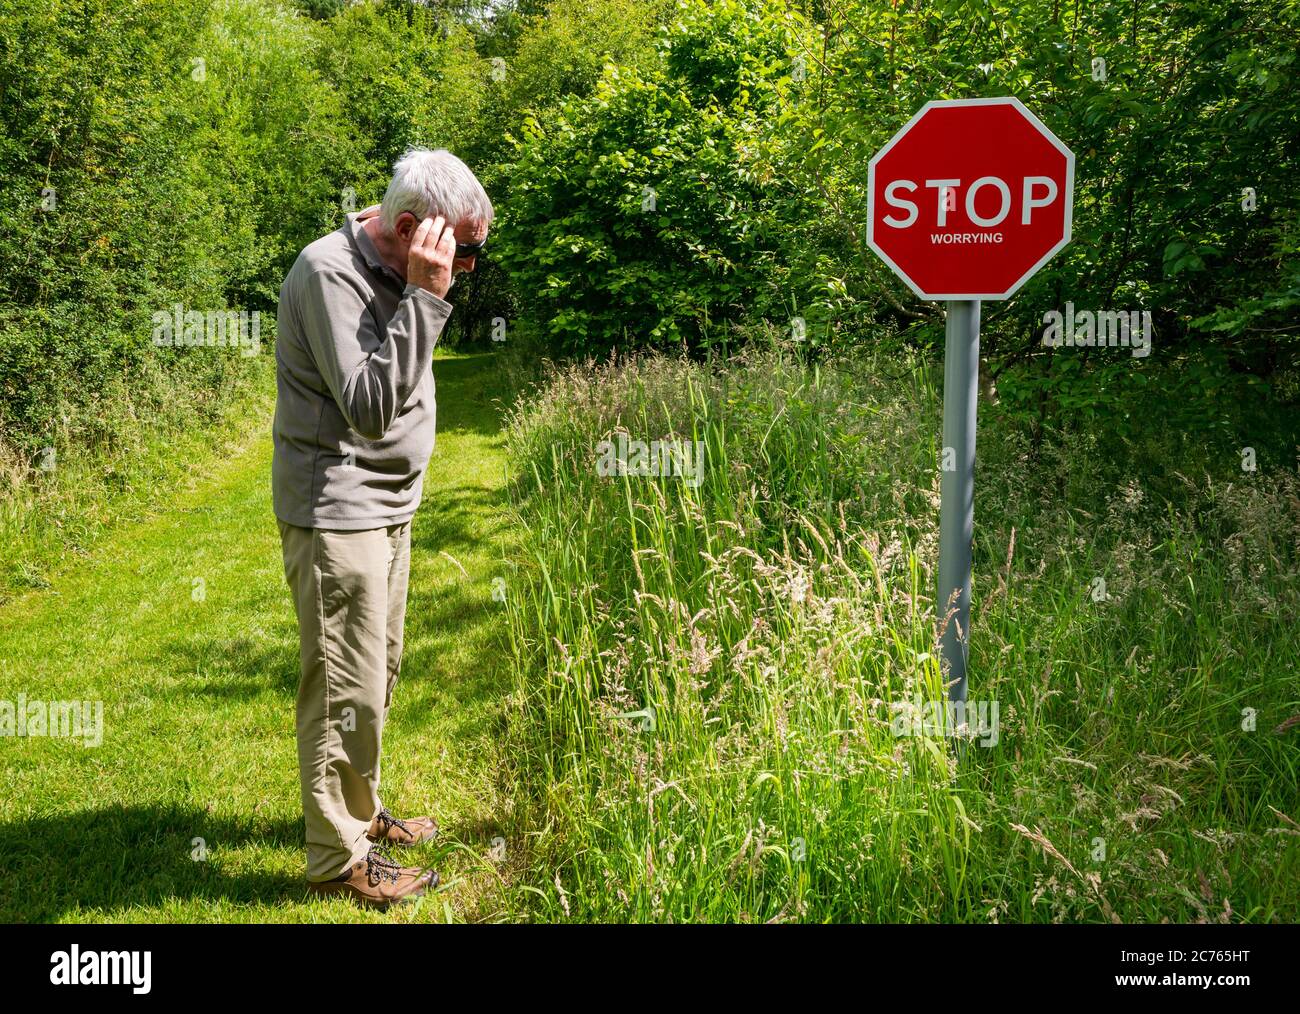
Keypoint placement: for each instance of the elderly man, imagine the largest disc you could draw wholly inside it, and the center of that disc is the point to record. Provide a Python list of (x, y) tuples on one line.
[(360, 313)]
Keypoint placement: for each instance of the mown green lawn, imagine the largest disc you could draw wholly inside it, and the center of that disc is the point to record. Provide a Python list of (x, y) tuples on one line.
[(198, 680)]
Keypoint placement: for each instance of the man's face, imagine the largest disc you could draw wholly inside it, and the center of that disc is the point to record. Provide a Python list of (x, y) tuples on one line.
[(469, 233)]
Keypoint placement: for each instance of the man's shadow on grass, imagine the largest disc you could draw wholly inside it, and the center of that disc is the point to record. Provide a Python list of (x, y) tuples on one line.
[(109, 859)]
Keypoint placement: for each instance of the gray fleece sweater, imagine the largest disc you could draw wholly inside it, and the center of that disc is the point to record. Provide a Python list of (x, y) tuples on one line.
[(354, 411)]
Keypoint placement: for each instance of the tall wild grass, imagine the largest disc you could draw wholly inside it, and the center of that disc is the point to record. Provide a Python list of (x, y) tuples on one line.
[(712, 678)]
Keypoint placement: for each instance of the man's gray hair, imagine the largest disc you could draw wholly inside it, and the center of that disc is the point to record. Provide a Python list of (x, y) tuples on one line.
[(430, 183)]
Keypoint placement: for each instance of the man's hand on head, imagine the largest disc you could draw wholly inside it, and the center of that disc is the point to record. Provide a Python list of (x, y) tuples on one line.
[(433, 248)]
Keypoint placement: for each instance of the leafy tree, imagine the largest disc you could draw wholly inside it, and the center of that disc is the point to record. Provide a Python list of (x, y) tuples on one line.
[(1177, 113), (641, 214)]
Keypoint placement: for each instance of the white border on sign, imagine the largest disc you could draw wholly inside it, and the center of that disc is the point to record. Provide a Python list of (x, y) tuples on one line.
[(1038, 125)]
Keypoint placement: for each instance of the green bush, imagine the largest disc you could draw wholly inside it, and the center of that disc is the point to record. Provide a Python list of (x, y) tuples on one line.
[(156, 154), (640, 215)]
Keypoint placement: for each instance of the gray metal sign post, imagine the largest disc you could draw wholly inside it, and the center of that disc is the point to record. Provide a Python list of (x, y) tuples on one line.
[(957, 487)]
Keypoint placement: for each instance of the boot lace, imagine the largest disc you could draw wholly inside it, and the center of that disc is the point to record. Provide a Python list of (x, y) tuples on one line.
[(381, 866), (387, 820)]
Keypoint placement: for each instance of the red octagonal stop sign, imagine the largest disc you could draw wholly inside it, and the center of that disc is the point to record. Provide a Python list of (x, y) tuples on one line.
[(970, 198)]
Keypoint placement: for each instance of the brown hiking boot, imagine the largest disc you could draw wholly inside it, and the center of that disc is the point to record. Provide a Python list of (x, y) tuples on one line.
[(387, 829), (378, 881)]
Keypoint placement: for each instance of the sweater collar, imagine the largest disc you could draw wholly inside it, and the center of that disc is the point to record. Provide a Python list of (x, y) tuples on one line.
[(366, 248)]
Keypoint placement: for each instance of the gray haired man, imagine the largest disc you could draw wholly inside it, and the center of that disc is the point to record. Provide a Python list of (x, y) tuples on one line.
[(360, 313)]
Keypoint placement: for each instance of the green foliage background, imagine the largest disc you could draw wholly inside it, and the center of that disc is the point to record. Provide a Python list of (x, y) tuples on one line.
[(667, 174), (753, 125)]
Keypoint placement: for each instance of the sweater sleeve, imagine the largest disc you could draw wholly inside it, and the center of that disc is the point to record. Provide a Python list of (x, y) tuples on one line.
[(371, 375)]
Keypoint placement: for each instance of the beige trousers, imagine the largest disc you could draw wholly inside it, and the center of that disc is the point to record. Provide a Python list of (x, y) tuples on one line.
[(349, 590)]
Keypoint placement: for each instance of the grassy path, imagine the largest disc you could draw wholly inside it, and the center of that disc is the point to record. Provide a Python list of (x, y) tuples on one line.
[(182, 627)]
